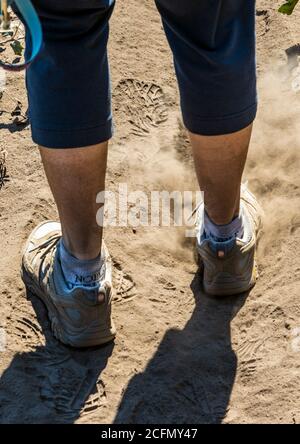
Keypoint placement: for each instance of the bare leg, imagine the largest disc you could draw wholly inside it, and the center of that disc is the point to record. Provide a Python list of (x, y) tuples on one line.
[(219, 163), (75, 177)]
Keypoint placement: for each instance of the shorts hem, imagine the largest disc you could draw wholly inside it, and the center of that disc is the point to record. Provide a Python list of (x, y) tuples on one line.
[(76, 138), (220, 125)]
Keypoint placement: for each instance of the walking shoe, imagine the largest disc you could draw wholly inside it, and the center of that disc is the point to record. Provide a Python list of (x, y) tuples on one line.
[(230, 267), (80, 316)]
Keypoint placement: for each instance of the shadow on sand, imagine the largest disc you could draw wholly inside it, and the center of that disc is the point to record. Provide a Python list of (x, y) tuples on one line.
[(190, 378), (53, 383)]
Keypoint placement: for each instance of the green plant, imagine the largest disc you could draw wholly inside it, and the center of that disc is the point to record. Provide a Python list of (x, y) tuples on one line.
[(288, 7)]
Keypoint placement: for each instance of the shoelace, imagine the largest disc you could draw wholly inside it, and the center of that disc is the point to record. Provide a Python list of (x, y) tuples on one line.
[(46, 248)]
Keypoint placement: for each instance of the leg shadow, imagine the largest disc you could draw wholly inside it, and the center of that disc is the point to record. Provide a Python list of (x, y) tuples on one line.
[(190, 378), (49, 382), (15, 126)]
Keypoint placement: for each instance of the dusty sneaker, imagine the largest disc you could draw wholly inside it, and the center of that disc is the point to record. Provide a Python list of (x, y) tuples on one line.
[(80, 316), (229, 267)]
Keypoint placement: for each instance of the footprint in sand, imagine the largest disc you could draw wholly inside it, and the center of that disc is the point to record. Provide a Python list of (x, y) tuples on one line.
[(248, 357), (65, 387), (96, 399), (252, 348), (24, 329), (124, 285), (262, 22), (142, 104)]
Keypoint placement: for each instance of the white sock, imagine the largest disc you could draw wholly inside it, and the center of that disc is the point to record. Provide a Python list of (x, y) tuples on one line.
[(226, 232), (78, 272)]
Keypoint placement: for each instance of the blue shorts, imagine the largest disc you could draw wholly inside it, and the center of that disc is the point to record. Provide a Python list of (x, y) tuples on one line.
[(213, 43)]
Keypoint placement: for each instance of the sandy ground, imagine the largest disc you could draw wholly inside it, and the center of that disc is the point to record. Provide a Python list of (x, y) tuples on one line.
[(179, 357)]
